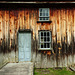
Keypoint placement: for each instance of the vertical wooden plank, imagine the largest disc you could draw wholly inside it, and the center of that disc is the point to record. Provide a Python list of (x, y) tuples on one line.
[(44, 61), (27, 18), (72, 23), (20, 19), (38, 53), (7, 20), (16, 28), (59, 39), (53, 38), (57, 35), (35, 32), (12, 42), (10, 29), (1, 31), (74, 36), (56, 46), (5, 30), (69, 39), (23, 18)]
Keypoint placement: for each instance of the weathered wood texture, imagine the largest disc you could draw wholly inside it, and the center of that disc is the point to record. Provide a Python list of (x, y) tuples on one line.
[(63, 35)]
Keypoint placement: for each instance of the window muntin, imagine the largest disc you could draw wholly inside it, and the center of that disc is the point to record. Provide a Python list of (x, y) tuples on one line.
[(44, 40), (44, 14)]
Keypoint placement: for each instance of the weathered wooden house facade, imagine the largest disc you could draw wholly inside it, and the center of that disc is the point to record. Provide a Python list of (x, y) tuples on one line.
[(42, 32)]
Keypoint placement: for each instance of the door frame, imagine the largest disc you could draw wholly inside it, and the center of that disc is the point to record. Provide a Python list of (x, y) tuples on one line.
[(23, 31)]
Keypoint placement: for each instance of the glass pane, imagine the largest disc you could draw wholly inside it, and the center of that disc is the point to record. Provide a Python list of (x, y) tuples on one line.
[(48, 45), (47, 11), (43, 10), (40, 10), (43, 18), (44, 45), (40, 18), (40, 14), (47, 33), (44, 33), (48, 39), (43, 14), (41, 45), (47, 14), (47, 18), (44, 39), (41, 33)]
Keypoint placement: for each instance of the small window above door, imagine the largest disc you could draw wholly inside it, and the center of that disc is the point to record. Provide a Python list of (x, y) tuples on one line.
[(43, 14)]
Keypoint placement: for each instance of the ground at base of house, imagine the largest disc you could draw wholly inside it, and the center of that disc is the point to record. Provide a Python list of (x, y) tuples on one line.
[(53, 71), (25, 68)]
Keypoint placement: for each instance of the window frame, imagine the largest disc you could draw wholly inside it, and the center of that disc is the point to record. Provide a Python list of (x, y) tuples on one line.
[(50, 42), (44, 16)]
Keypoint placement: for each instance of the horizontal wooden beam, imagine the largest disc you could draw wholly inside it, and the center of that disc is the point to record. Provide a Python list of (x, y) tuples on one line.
[(23, 2)]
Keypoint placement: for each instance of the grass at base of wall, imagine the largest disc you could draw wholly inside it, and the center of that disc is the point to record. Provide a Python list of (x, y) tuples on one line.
[(52, 71)]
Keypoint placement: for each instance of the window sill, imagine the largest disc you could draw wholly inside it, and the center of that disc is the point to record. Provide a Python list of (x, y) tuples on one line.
[(44, 21), (45, 49)]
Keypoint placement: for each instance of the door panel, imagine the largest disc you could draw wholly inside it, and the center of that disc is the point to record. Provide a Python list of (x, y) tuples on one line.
[(24, 46), (28, 47)]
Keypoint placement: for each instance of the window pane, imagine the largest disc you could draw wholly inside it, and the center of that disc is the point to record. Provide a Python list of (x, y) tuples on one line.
[(40, 14), (43, 14), (40, 10), (47, 33), (44, 33), (44, 39), (47, 18), (41, 33), (43, 18), (47, 14), (40, 18), (41, 45), (48, 45), (48, 39), (47, 10), (44, 45), (43, 10)]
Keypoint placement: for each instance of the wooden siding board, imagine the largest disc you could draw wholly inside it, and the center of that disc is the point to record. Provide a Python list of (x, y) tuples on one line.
[(7, 26), (1, 31)]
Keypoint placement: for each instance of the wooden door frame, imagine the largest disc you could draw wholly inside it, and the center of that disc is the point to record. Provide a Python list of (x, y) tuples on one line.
[(23, 31)]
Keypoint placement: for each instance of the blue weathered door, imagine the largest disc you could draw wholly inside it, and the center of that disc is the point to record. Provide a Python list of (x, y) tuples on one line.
[(24, 41)]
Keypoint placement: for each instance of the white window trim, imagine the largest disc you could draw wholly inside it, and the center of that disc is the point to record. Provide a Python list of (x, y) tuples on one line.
[(46, 42), (44, 16)]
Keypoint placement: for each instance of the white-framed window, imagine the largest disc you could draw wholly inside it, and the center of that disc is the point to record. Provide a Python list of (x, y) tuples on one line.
[(44, 40), (43, 14)]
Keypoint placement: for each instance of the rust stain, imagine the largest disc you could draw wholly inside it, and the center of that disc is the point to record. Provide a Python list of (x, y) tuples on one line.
[(0, 30), (48, 52)]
